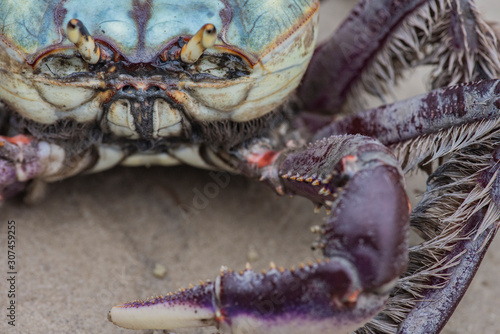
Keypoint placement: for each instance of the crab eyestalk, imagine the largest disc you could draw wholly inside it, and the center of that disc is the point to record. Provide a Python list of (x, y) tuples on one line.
[(364, 242), (202, 40), (80, 36)]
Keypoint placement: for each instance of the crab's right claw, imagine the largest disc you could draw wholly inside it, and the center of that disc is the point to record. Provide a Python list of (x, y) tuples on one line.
[(18, 164), (23, 159), (365, 243)]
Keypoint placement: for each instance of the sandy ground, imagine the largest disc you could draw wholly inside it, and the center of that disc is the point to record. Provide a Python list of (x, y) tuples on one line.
[(94, 241)]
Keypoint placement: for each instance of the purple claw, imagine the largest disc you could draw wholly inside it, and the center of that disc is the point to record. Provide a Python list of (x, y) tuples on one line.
[(360, 181), (369, 226), (365, 242), (316, 298), (319, 297)]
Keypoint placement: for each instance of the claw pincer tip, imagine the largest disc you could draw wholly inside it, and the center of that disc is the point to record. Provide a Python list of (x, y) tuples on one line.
[(190, 308)]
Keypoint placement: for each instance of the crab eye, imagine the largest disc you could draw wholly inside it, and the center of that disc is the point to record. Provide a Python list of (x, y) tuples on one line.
[(202, 40), (58, 67), (79, 35)]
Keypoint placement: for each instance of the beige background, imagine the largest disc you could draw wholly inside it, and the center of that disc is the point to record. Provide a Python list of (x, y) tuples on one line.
[(94, 241)]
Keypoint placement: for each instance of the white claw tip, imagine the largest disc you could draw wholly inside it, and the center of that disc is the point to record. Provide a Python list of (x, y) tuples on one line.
[(163, 315)]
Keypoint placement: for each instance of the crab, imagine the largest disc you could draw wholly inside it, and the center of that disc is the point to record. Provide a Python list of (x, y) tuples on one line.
[(239, 86)]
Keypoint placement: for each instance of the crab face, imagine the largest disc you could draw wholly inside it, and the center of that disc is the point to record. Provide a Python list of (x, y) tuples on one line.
[(130, 72)]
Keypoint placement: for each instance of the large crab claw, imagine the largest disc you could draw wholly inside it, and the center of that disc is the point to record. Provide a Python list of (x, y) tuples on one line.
[(364, 240), (20, 159)]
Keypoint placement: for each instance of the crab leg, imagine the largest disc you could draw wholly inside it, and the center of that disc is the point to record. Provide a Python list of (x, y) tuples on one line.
[(365, 240), (381, 38), (429, 113), (438, 304)]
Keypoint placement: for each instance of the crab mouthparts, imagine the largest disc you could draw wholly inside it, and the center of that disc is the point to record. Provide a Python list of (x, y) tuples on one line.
[(143, 113)]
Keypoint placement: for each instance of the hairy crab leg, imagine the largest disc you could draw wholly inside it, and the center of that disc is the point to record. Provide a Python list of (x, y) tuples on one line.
[(437, 305), (462, 260), (365, 242), (461, 126), (428, 113), (460, 45), (475, 233)]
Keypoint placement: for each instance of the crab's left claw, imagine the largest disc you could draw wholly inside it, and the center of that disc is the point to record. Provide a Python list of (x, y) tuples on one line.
[(364, 241)]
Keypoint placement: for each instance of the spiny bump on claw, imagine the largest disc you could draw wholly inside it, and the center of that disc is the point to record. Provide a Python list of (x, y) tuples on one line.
[(317, 245), (79, 35), (280, 191), (202, 40), (316, 229)]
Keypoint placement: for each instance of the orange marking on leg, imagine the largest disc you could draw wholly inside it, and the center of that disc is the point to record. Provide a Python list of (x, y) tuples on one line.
[(349, 158), (262, 159), (353, 297), (18, 140)]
